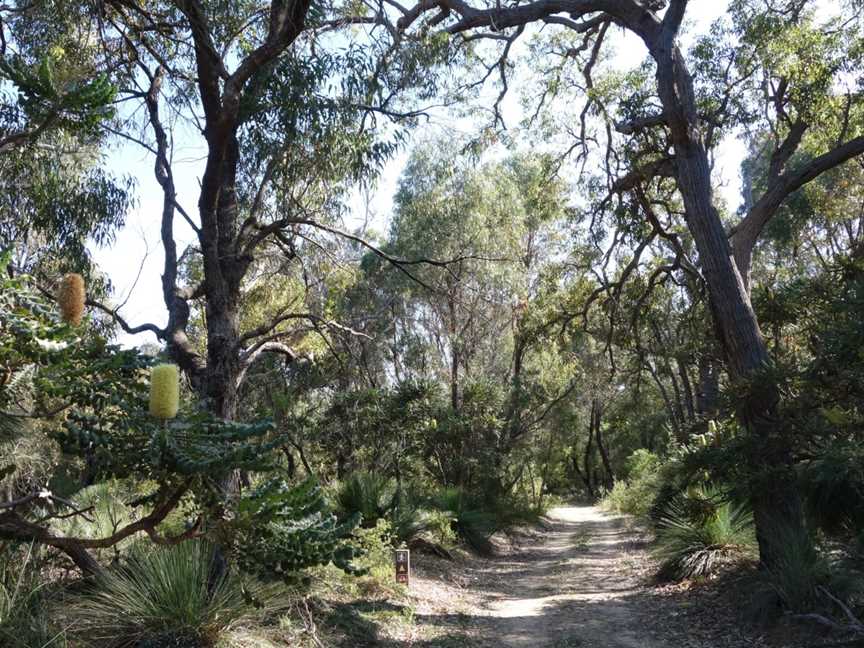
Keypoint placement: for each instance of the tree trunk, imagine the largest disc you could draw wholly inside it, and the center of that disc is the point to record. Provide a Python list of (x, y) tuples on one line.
[(774, 498), (673, 418), (687, 389), (586, 479), (513, 413), (677, 400), (454, 354), (589, 447), (708, 391), (604, 454)]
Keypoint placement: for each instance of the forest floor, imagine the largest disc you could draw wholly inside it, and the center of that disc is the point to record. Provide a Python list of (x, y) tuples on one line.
[(576, 585), (580, 581)]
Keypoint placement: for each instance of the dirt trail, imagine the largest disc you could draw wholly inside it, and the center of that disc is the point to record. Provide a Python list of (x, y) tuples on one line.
[(576, 587)]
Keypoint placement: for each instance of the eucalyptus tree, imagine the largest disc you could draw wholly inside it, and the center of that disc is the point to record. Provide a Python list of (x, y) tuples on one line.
[(54, 101), (479, 321), (786, 68), (445, 211), (285, 101)]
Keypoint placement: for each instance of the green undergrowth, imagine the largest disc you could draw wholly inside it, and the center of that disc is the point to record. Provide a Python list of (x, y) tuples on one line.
[(167, 597), (636, 493), (442, 518)]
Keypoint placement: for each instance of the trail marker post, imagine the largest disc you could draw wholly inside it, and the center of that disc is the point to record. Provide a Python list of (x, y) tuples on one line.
[(403, 565)]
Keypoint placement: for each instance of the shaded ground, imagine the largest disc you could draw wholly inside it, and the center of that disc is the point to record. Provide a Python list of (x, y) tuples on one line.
[(577, 586), (580, 583)]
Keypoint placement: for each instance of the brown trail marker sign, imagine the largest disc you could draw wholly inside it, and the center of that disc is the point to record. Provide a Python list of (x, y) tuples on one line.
[(403, 566)]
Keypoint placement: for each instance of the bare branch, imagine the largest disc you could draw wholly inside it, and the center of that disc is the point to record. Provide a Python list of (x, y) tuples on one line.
[(131, 330)]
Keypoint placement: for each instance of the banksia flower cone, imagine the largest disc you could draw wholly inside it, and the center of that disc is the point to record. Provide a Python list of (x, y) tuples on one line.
[(71, 298), (164, 391)]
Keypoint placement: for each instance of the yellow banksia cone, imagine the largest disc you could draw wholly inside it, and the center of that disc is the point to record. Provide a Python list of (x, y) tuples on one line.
[(71, 297), (164, 391)]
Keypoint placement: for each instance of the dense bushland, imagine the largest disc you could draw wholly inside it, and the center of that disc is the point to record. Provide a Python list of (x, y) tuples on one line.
[(564, 310)]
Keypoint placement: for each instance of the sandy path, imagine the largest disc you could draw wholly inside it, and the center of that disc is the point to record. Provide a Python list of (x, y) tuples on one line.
[(573, 588)]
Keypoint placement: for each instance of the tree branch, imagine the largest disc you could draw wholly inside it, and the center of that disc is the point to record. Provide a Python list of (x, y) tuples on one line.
[(131, 330), (747, 232), (628, 12)]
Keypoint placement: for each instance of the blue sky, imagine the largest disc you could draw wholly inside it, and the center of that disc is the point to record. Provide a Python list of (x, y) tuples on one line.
[(134, 262)]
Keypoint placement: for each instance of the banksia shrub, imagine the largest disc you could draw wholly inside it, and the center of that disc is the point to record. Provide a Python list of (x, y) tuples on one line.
[(71, 297), (164, 391)]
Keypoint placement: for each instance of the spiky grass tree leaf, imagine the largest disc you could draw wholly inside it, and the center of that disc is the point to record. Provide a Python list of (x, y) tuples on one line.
[(698, 532), (161, 594)]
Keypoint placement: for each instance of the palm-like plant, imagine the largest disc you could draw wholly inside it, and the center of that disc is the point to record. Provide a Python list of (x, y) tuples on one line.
[(372, 495), (164, 596), (699, 532), (470, 521)]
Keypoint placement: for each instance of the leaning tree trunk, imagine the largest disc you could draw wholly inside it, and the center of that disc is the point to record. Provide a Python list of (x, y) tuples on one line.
[(774, 498)]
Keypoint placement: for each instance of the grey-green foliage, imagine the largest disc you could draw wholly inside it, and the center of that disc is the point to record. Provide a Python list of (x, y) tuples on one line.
[(494, 222), (280, 529), (43, 97), (107, 423)]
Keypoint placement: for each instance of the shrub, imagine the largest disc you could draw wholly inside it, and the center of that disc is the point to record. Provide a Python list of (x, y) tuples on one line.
[(636, 493), (165, 597), (698, 533), (439, 528), (640, 463), (471, 522), (801, 576), (833, 488), (372, 495), (281, 529), (374, 551)]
